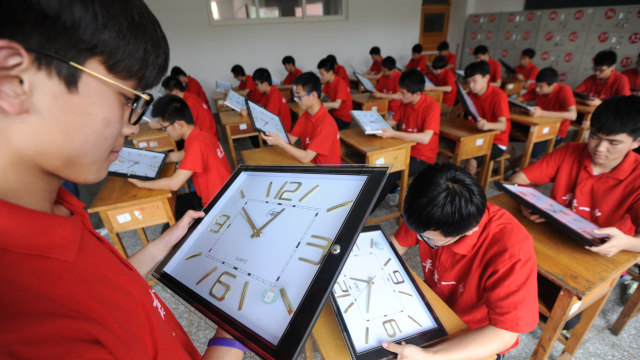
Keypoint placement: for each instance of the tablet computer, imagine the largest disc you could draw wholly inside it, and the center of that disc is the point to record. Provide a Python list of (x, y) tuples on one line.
[(508, 67), (467, 103), (370, 121), (264, 121), (138, 163), (366, 83), (235, 101), (223, 86), (520, 105)]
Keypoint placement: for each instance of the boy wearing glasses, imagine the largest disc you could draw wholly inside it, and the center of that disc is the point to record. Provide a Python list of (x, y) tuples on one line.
[(201, 113), (339, 93), (203, 159), (67, 79), (476, 256), (605, 81), (316, 129)]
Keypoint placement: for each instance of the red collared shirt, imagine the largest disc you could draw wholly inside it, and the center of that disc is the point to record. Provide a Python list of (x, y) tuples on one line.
[(446, 78), (423, 116), (486, 278), (68, 293), (248, 83), (376, 67), (339, 90), (420, 64), (495, 70), (194, 87), (560, 99), (616, 84), (451, 60), (609, 199), (492, 105), (389, 85), (341, 72), (634, 77), (274, 102), (201, 113), (319, 133), (529, 72), (291, 76)]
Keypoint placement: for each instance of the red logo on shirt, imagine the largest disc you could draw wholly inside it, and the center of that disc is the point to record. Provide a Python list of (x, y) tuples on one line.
[(562, 77), (625, 62), (531, 15), (474, 35), (553, 15), (634, 38), (610, 13), (504, 53), (603, 37), (476, 19), (568, 57), (492, 18), (511, 17), (489, 35), (579, 14), (507, 35), (573, 36), (545, 56), (548, 36), (526, 35)]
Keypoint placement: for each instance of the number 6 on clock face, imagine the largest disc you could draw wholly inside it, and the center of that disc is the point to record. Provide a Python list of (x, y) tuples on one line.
[(251, 263)]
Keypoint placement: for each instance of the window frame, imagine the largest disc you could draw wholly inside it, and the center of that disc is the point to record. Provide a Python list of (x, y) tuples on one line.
[(279, 20)]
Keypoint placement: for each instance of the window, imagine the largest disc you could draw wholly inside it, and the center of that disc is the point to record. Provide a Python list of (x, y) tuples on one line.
[(236, 12)]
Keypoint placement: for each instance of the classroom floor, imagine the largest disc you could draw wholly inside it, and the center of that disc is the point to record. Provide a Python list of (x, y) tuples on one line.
[(599, 342)]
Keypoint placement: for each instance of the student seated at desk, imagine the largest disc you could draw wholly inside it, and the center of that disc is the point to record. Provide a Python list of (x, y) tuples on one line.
[(191, 85), (605, 81), (476, 256), (388, 85), (68, 292), (443, 50), (633, 75), (203, 160), (293, 72), (481, 53), (375, 70), (341, 72), (417, 60), (527, 70), (419, 118), (272, 98), (493, 109), (201, 113), (246, 87), (316, 129), (444, 80), (339, 93)]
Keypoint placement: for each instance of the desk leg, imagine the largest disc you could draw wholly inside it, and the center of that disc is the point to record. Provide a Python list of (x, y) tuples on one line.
[(143, 236), (584, 127), (630, 310), (404, 179), (485, 171), (553, 327), (528, 148), (231, 148), (115, 238), (168, 210)]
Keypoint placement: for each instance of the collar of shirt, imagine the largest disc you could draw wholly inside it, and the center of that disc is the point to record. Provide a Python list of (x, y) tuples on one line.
[(465, 245), (620, 172)]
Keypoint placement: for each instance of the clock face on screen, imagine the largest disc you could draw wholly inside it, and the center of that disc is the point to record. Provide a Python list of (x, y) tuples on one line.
[(134, 162), (258, 249)]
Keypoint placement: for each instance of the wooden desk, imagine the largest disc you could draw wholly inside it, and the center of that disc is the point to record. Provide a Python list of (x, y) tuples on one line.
[(123, 206), (586, 280), (461, 140), (365, 101), (587, 111), (269, 155), (218, 99), (236, 126), (152, 139), (435, 95), (358, 148), (534, 129), (513, 86)]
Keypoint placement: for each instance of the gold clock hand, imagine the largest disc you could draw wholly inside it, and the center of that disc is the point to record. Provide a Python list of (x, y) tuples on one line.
[(246, 216), (267, 223), (356, 279), (370, 282)]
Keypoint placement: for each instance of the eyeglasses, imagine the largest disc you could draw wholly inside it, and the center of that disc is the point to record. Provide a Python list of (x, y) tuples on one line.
[(139, 103), (428, 241), (601, 69), (299, 97), (164, 128)]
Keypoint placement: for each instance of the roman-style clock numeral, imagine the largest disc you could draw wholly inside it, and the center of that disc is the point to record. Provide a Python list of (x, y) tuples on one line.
[(309, 193), (241, 193), (390, 327), (348, 307), (366, 336), (415, 321), (387, 262), (324, 248), (396, 277), (344, 291), (339, 206), (220, 220), (219, 282)]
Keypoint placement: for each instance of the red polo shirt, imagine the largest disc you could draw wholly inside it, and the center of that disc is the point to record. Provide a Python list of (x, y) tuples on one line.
[(446, 78), (339, 90), (389, 85), (560, 99), (274, 102), (291, 76), (492, 105), (486, 278), (68, 293), (341, 72), (616, 84), (634, 77), (495, 70), (423, 116), (451, 60), (376, 67), (609, 199), (529, 72), (204, 155), (201, 113), (319, 133), (194, 87), (420, 64), (248, 83)]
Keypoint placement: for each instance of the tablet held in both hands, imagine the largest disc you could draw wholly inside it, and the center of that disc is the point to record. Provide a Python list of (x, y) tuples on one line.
[(138, 163), (520, 105), (235, 101), (371, 121), (366, 83), (468, 103), (265, 122)]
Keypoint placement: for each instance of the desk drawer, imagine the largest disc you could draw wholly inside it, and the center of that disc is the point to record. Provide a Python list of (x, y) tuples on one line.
[(138, 216), (546, 131), (241, 129), (475, 146), (397, 159)]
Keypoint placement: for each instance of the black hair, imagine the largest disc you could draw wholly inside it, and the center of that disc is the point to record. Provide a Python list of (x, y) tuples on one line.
[(327, 65), (443, 46), (475, 68), (123, 34), (617, 115), (237, 70), (444, 198), (605, 58), (374, 51), (333, 58), (412, 80), (481, 50), (177, 71), (262, 75), (389, 63), (416, 49), (440, 62), (171, 83), (288, 60), (529, 52), (171, 108), (547, 75), (309, 82)]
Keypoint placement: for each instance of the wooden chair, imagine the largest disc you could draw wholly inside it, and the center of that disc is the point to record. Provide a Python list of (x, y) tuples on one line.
[(435, 95), (630, 310), (513, 87), (500, 175)]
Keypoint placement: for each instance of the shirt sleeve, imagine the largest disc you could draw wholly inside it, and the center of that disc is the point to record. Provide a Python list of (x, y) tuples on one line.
[(622, 86), (405, 236), (583, 86), (544, 170), (431, 119), (567, 99), (320, 141), (502, 105), (193, 158), (530, 95)]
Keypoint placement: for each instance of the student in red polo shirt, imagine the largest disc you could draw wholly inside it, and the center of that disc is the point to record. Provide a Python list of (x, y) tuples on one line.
[(202, 115), (293, 72), (476, 257), (316, 129), (272, 98), (443, 50), (191, 85), (339, 93), (246, 87), (341, 72), (481, 53), (493, 108), (70, 294), (605, 81), (388, 85), (527, 70), (375, 70), (419, 118), (203, 160), (444, 80), (633, 75), (417, 60)]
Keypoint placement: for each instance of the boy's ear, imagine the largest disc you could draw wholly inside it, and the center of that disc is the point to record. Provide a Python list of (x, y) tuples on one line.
[(635, 144), (14, 87)]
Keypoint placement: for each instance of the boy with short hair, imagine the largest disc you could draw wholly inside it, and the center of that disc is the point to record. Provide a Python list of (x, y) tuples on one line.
[(443, 50), (246, 87), (417, 60), (388, 85), (493, 110), (527, 70), (191, 85), (272, 98), (293, 72), (339, 93), (375, 70), (341, 72), (316, 129), (201, 113), (444, 80), (633, 75), (605, 81), (481, 53), (203, 160), (476, 257)]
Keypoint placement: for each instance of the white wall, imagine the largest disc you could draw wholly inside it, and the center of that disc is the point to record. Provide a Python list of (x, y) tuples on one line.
[(208, 52)]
